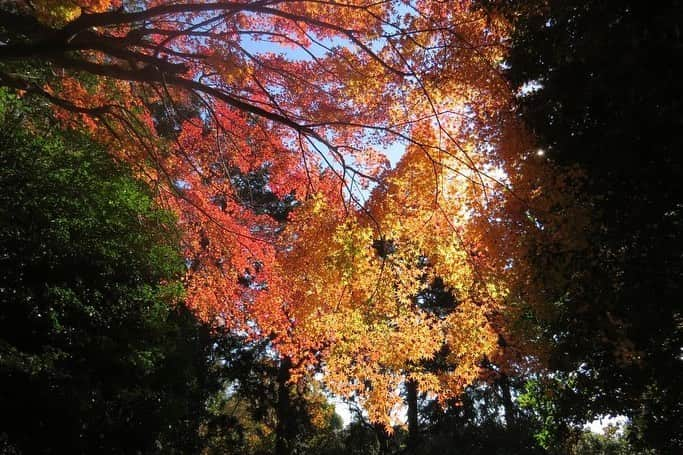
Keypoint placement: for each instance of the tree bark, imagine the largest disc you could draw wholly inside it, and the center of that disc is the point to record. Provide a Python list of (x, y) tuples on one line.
[(285, 430), (413, 428), (383, 438), (504, 384)]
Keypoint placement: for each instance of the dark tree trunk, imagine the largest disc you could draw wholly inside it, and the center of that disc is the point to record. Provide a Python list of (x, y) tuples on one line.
[(413, 428), (285, 431), (383, 438), (504, 384)]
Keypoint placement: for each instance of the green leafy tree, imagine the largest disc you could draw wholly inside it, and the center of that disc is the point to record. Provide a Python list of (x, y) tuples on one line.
[(598, 90), (250, 418), (97, 352)]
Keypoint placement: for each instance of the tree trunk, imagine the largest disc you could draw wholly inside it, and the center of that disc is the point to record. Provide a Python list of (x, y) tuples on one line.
[(504, 384), (413, 429), (383, 438), (285, 430)]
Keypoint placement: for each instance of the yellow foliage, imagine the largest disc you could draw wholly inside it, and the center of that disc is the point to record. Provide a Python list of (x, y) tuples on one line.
[(355, 276), (61, 12)]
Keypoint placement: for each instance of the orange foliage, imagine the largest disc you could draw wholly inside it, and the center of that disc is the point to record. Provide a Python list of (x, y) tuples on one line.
[(353, 279), (338, 84)]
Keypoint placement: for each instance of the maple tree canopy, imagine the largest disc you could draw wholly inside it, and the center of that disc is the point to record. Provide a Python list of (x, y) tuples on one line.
[(311, 93)]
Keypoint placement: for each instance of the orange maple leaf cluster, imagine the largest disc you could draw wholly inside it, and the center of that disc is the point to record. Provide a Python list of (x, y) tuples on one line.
[(337, 285)]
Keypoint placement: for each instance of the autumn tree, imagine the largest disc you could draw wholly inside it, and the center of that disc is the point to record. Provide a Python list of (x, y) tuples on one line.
[(391, 64), (97, 351), (198, 95), (361, 294)]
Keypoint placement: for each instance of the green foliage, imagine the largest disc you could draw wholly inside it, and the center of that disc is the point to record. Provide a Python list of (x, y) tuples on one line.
[(478, 424), (252, 190), (245, 418), (540, 398), (97, 353), (610, 443)]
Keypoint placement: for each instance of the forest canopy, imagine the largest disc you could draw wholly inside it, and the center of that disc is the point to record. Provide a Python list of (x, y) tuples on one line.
[(445, 213)]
